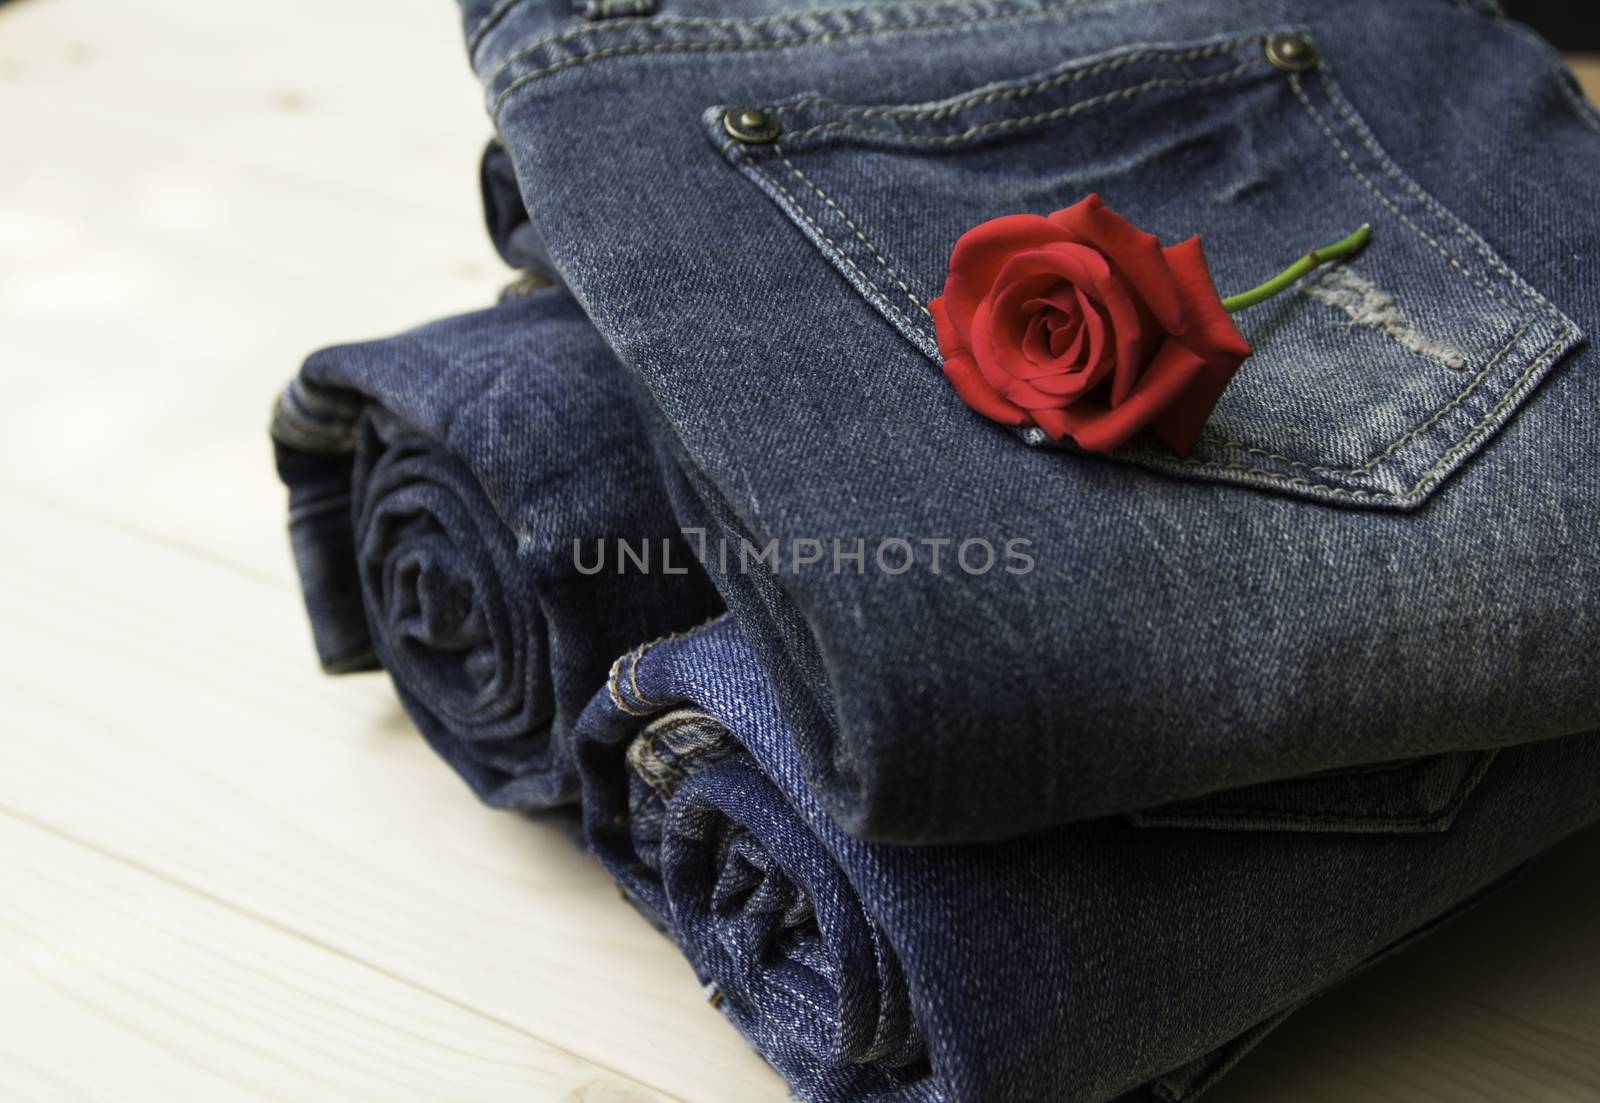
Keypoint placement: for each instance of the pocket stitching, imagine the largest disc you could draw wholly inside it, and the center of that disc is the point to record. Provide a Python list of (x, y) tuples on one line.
[(965, 103), (1513, 392), (1344, 155), (1399, 442), (841, 254), (1394, 172), (826, 198), (1063, 112), (1205, 465)]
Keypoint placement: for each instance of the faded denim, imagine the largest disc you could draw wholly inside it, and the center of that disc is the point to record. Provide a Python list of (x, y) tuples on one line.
[(437, 483), (1119, 959), (1382, 549)]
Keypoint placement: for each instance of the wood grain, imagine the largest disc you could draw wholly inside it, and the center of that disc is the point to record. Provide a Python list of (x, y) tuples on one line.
[(225, 877)]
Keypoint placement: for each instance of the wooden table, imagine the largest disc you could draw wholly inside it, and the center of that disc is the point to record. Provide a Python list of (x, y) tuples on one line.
[(225, 877)]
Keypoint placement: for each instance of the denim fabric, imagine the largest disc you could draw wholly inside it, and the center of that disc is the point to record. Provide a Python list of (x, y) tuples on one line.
[(505, 216), (1088, 962), (1382, 548), (437, 483)]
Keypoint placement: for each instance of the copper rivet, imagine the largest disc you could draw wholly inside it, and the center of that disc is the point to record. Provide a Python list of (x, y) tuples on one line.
[(752, 125), (1293, 53)]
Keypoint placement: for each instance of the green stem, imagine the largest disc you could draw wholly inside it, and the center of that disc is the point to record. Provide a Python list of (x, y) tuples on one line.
[(1285, 279)]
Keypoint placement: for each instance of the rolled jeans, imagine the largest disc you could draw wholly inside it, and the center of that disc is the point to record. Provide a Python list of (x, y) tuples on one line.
[(1133, 957), (457, 494)]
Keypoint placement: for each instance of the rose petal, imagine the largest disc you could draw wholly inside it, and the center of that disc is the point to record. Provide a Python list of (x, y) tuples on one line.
[(1071, 262), (1037, 342), (990, 354), (1164, 382), (1207, 327), (1010, 321), (1065, 334), (1065, 353), (1136, 255), (1061, 423), (1065, 265), (1179, 425), (964, 376), (1093, 363), (975, 392), (1061, 297), (980, 254), (950, 342), (1099, 428)]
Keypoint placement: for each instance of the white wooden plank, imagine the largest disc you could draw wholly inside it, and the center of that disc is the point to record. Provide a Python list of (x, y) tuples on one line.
[(167, 709), (119, 986), (193, 196)]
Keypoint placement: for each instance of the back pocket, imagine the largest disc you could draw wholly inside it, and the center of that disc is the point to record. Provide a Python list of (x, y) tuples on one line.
[(1370, 384)]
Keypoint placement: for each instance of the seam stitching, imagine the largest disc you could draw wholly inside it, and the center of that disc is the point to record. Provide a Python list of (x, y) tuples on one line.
[(486, 24), (776, 44), (882, 297), (615, 690), (613, 680), (1063, 112), (873, 249), (1355, 170), (671, 23), (1045, 85), (1476, 243), (1399, 442), (1434, 470)]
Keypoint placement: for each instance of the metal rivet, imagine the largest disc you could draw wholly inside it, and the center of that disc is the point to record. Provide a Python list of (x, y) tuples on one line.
[(1293, 53), (753, 125)]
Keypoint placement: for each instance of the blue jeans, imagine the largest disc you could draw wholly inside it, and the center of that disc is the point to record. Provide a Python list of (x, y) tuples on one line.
[(1133, 956), (1382, 547), (437, 483)]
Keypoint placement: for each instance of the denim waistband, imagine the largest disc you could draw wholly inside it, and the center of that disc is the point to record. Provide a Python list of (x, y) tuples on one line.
[(514, 42)]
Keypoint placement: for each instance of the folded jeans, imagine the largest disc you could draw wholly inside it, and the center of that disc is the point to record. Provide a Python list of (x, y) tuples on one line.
[(1380, 548)]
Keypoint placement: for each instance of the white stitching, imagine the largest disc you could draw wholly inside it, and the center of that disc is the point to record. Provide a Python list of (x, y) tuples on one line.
[(1367, 467), (486, 24), (1355, 170), (614, 688), (1319, 488), (1389, 167), (889, 268), (1433, 472), (977, 100), (1028, 120), (841, 254), (775, 44), (1511, 396), (1363, 469), (909, 10)]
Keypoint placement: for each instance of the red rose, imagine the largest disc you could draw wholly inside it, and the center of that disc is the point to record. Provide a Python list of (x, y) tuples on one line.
[(1082, 324)]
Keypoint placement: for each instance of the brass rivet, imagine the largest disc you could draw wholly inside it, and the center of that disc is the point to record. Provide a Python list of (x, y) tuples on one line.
[(752, 125), (1293, 53)]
